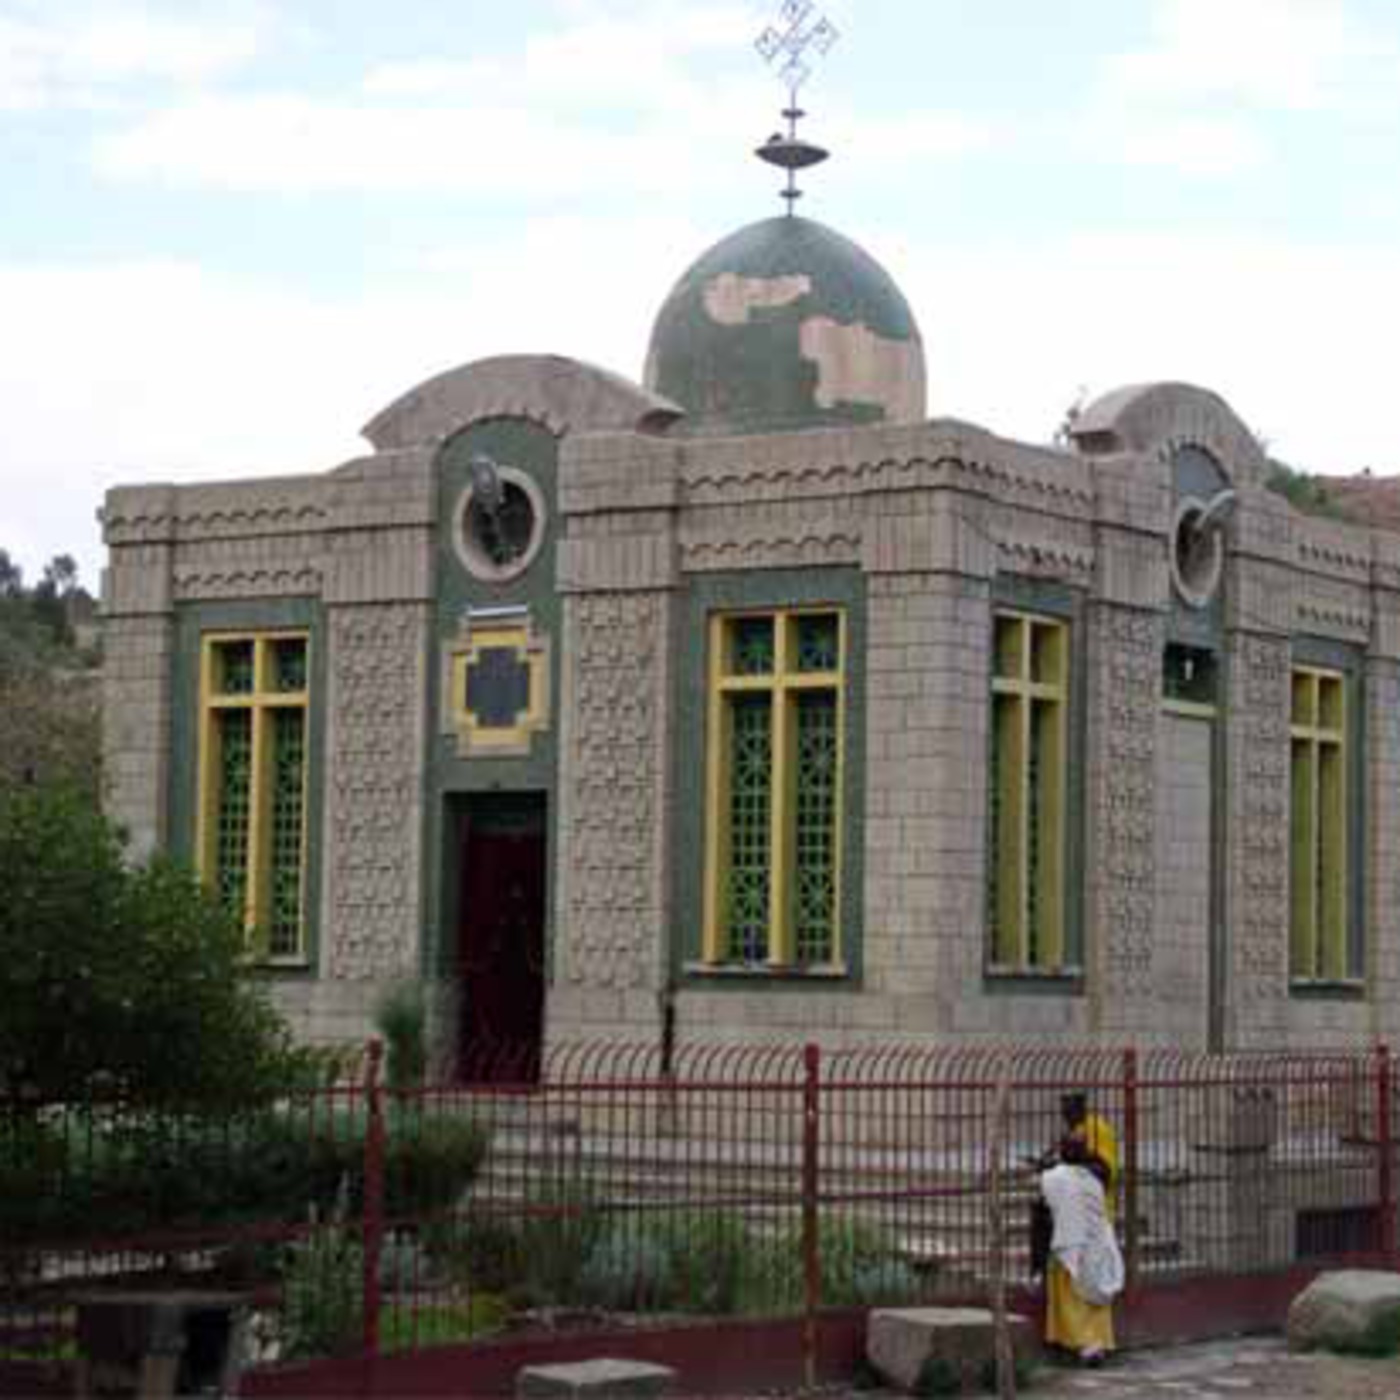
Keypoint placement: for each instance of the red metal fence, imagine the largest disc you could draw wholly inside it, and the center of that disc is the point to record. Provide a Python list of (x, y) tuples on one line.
[(723, 1181)]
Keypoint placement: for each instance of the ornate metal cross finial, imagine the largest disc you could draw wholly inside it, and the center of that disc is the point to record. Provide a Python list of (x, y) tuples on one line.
[(801, 33)]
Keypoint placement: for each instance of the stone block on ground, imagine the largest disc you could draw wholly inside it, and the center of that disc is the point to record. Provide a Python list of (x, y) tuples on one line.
[(901, 1342), (602, 1376), (1356, 1310)]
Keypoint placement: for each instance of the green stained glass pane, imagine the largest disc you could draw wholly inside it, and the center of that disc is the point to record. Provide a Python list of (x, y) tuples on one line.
[(750, 800), (233, 810), (814, 893), (289, 664), (751, 641), (287, 822), (1035, 797), (818, 642), (234, 674)]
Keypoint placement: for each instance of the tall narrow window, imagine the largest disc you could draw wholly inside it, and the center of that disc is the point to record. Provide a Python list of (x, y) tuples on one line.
[(774, 804), (252, 777), (1027, 794), (1318, 863)]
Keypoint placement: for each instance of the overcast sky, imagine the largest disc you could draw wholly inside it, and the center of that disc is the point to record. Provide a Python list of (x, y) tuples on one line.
[(231, 232)]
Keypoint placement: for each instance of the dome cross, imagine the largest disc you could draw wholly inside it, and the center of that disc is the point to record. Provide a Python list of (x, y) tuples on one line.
[(800, 34)]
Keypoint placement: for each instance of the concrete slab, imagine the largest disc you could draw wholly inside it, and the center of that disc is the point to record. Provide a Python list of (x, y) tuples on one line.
[(602, 1376)]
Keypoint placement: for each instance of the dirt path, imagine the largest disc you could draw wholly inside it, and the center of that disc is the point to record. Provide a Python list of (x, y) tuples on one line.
[(1248, 1368)]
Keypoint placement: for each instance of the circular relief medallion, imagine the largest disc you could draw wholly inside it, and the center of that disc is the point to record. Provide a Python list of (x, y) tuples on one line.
[(498, 522), (1197, 555)]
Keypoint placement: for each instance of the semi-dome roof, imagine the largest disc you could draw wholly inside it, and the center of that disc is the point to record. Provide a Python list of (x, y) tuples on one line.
[(787, 324)]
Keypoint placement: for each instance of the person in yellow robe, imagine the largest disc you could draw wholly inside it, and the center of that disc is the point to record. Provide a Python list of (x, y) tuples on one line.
[(1085, 1270)]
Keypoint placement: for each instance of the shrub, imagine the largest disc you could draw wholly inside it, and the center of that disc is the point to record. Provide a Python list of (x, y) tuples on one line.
[(140, 1172), (323, 1292), (431, 1162), (860, 1266), (558, 1232), (120, 979), (401, 1017)]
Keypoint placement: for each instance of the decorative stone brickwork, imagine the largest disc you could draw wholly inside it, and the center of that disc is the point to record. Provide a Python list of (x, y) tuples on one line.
[(1257, 836), (375, 789), (136, 676), (1382, 850), (1125, 659), (612, 826)]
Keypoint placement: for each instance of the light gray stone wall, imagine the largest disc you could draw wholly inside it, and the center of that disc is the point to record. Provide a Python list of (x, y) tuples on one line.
[(136, 726), (1184, 820), (1124, 699), (375, 752), (1256, 897), (1382, 845), (609, 960)]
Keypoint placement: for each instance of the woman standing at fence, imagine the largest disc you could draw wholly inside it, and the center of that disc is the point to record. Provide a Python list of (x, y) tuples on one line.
[(1085, 1271)]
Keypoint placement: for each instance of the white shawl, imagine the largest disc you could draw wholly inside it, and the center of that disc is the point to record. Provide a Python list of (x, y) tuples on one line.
[(1083, 1238)]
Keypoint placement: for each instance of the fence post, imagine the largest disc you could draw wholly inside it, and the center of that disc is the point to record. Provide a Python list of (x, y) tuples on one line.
[(811, 1248), (372, 1213), (1385, 1148), (1130, 1171)]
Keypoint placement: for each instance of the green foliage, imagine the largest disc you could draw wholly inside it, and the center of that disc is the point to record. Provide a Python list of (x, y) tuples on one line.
[(1302, 490), (409, 1326), (401, 1017), (120, 980), (860, 1266), (323, 1292), (557, 1232), (691, 1261), (138, 1173)]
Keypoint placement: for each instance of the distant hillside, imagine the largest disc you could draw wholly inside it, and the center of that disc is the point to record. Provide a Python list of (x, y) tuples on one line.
[(49, 678), (1366, 499)]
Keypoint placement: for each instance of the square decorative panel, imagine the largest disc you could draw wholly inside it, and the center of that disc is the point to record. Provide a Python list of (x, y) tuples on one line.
[(496, 685)]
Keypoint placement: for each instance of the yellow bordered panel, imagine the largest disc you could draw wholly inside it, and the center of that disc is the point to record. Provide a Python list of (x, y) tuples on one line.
[(496, 686)]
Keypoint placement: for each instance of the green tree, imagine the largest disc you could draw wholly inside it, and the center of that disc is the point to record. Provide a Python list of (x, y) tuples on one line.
[(118, 977)]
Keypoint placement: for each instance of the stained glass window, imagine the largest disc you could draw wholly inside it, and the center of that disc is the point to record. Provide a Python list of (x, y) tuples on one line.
[(1318, 919), (773, 829), (253, 770), (1026, 794)]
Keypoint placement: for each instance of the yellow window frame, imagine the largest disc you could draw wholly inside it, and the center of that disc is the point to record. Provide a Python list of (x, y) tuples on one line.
[(1319, 835), (783, 684), (1029, 709), (260, 703)]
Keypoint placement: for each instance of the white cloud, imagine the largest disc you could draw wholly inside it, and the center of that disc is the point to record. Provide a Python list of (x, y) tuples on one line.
[(631, 59), (86, 58), (1199, 99), (1287, 54), (1013, 330), (183, 374), (1203, 146), (619, 99)]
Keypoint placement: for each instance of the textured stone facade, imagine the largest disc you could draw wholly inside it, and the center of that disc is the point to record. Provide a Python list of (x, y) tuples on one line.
[(1179, 844), (610, 965), (378, 670)]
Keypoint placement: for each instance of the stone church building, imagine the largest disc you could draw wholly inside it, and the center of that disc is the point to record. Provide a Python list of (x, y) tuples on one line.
[(752, 701)]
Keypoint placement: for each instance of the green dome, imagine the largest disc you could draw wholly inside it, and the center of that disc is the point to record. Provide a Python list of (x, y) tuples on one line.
[(786, 324)]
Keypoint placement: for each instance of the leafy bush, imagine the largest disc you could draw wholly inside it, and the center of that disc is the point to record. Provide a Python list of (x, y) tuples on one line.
[(401, 1017), (860, 1266), (323, 1292), (143, 1172), (118, 979), (689, 1261), (558, 1232)]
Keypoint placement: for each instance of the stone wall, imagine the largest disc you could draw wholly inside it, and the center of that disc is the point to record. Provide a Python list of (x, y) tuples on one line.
[(609, 962)]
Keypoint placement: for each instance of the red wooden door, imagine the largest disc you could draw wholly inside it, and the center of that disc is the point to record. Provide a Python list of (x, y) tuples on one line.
[(501, 939)]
